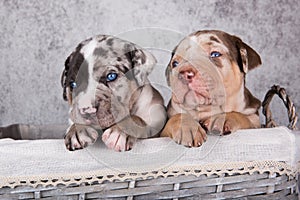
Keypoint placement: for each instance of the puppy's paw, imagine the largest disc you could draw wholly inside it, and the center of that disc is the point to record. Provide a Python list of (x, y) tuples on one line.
[(114, 138), (215, 124), (183, 129), (80, 136), (227, 123)]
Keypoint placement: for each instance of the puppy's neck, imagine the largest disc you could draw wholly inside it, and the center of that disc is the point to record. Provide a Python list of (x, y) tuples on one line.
[(235, 101), (242, 101)]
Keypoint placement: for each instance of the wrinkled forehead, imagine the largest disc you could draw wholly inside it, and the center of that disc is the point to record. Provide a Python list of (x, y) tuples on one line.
[(202, 43)]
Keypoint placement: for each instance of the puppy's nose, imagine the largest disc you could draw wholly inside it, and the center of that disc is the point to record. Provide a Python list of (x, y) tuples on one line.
[(187, 75), (88, 110)]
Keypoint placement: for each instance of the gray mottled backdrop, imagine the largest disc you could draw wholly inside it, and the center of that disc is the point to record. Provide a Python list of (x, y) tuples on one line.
[(36, 37)]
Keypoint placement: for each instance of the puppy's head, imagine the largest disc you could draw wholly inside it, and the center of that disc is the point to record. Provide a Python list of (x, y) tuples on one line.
[(101, 77), (208, 66)]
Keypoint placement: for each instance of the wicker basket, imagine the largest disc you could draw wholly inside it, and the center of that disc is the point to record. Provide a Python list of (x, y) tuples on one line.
[(224, 186)]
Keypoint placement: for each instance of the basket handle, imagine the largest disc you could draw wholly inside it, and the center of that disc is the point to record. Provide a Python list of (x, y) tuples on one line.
[(276, 89)]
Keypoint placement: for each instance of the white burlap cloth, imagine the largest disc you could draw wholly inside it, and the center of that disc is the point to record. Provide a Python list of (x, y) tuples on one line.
[(33, 162)]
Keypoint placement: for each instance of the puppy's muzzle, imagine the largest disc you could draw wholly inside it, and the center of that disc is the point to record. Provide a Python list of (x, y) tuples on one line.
[(187, 74), (87, 106), (88, 111), (90, 103)]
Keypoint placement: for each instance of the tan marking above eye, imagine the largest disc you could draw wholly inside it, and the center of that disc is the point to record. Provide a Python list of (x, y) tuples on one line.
[(177, 57), (215, 39)]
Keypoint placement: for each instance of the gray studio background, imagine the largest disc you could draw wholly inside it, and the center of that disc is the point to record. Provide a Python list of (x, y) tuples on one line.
[(37, 36)]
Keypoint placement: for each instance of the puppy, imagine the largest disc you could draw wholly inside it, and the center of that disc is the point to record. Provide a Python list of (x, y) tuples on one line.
[(207, 76), (105, 82)]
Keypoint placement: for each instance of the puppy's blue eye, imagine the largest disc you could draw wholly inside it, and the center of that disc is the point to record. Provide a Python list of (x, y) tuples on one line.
[(73, 85), (215, 54), (111, 76), (175, 63)]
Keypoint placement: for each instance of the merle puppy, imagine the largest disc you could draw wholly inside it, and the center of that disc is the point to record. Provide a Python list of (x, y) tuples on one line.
[(105, 82)]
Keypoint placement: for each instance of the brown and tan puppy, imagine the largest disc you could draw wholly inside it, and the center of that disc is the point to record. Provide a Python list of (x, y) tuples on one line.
[(207, 76)]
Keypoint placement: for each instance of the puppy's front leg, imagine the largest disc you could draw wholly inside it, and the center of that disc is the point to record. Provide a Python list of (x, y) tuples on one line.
[(183, 129), (230, 122), (122, 136), (79, 136)]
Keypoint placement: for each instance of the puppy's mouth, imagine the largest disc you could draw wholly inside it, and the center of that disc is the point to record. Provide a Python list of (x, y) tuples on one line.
[(105, 118), (192, 89), (193, 97), (107, 114), (102, 115)]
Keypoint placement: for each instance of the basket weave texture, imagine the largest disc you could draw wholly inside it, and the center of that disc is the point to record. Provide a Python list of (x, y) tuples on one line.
[(267, 185)]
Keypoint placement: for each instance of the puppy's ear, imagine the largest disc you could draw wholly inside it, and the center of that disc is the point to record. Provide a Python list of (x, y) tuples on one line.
[(168, 69), (167, 73), (142, 63), (69, 74), (67, 93), (248, 58)]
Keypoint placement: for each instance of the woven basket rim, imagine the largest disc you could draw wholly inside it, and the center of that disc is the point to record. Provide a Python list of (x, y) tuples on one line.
[(208, 170)]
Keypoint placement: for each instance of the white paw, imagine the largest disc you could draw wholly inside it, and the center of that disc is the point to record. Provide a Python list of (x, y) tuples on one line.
[(117, 140)]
